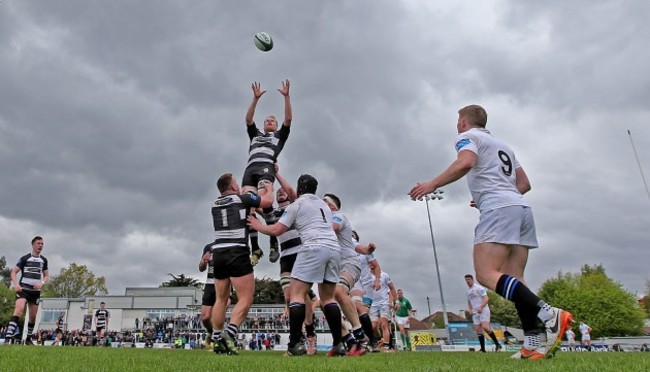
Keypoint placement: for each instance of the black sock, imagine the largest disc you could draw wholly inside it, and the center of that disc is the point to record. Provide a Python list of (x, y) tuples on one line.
[(255, 245), (527, 316), (366, 324), (481, 340), (30, 330), (296, 318), (310, 330), (333, 315), (494, 338), (273, 242), (359, 334), (514, 290), (349, 340)]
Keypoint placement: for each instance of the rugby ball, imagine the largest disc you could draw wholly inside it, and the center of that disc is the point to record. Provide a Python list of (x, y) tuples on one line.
[(263, 41)]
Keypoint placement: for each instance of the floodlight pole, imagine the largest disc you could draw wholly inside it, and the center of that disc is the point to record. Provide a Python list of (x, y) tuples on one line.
[(437, 195)]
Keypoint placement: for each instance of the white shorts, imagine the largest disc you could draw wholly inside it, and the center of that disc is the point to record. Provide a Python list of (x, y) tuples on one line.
[(353, 268), (317, 265), (585, 338), (379, 310), (484, 316), (507, 225), (403, 320)]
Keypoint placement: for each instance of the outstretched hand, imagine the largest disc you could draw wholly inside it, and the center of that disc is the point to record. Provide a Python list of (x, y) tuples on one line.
[(421, 189), (257, 90), (285, 88)]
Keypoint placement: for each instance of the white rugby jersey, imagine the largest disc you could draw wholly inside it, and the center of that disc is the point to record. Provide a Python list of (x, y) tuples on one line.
[(382, 296), (492, 179), (344, 236), (312, 219), (570, 335), (584, 329), (366, 278), (475, 295)]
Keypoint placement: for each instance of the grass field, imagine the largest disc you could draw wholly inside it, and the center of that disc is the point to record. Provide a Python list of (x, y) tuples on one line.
[(38, 358)]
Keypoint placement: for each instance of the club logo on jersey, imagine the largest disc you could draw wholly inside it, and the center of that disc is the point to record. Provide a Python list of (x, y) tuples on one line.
[(337, 219), (462, 143)]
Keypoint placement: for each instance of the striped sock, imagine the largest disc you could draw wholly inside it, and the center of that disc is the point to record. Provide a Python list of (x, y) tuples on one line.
[(514, 290), (232, 330)]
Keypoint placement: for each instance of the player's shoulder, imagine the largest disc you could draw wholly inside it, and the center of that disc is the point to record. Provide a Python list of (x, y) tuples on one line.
[(23, 259)]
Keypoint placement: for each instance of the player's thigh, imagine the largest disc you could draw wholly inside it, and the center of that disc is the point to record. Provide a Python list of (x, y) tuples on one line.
[(19, 307), (489, 259), (244, 286), (516, 263)]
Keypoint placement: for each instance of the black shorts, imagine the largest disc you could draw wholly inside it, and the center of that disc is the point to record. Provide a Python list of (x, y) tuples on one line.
[(286, 263), (257, 172), (209, 295), (32, 297), (231, 263), (58, 331), (99, 330)]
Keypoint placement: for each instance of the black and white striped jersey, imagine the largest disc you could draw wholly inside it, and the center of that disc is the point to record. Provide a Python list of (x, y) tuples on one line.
[(229, 215), (31, 269), (210, 277), (102, 316), (290, 242), (265, 147)]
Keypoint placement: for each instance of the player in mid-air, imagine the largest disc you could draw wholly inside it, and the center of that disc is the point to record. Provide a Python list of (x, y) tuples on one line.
[(263, 151), (34, 274), (477, 304), (317, 262), (230, 258), (506, 228)]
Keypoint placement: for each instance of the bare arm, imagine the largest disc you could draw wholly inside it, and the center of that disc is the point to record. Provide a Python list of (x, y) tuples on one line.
[(393, 295), (485, 299), (365, 249), (205, 259), (288, 115), (459, 168), (286, 186), (272, 230), (257, 93), (521, 181), (14, 278)]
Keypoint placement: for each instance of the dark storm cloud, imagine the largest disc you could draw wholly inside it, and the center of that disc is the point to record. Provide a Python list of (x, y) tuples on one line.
[(116, 118)]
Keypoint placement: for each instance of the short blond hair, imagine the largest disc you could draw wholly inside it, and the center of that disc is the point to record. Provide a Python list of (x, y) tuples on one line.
[(476, 114)]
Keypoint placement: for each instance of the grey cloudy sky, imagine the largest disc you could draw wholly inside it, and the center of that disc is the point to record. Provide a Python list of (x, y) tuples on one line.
[(117, 117)]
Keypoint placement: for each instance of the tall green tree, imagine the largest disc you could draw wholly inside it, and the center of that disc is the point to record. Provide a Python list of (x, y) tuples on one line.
[(503, 311), (181, 281), (7, 301), (268, 291), (597, 300), (5, 272), (75, 281)]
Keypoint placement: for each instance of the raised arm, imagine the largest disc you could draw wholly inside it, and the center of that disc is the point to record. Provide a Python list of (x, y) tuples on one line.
[(288, 116), (257, 93), (286, 186)]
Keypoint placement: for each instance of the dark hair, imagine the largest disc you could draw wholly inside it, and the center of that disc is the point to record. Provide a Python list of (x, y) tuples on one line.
[(36, 238), (469, 276), (335, 199), (102, 303), (307, 184), (224, 182)]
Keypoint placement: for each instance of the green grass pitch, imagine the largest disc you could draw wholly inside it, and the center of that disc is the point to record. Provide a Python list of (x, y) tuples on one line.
[(95, 359)]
